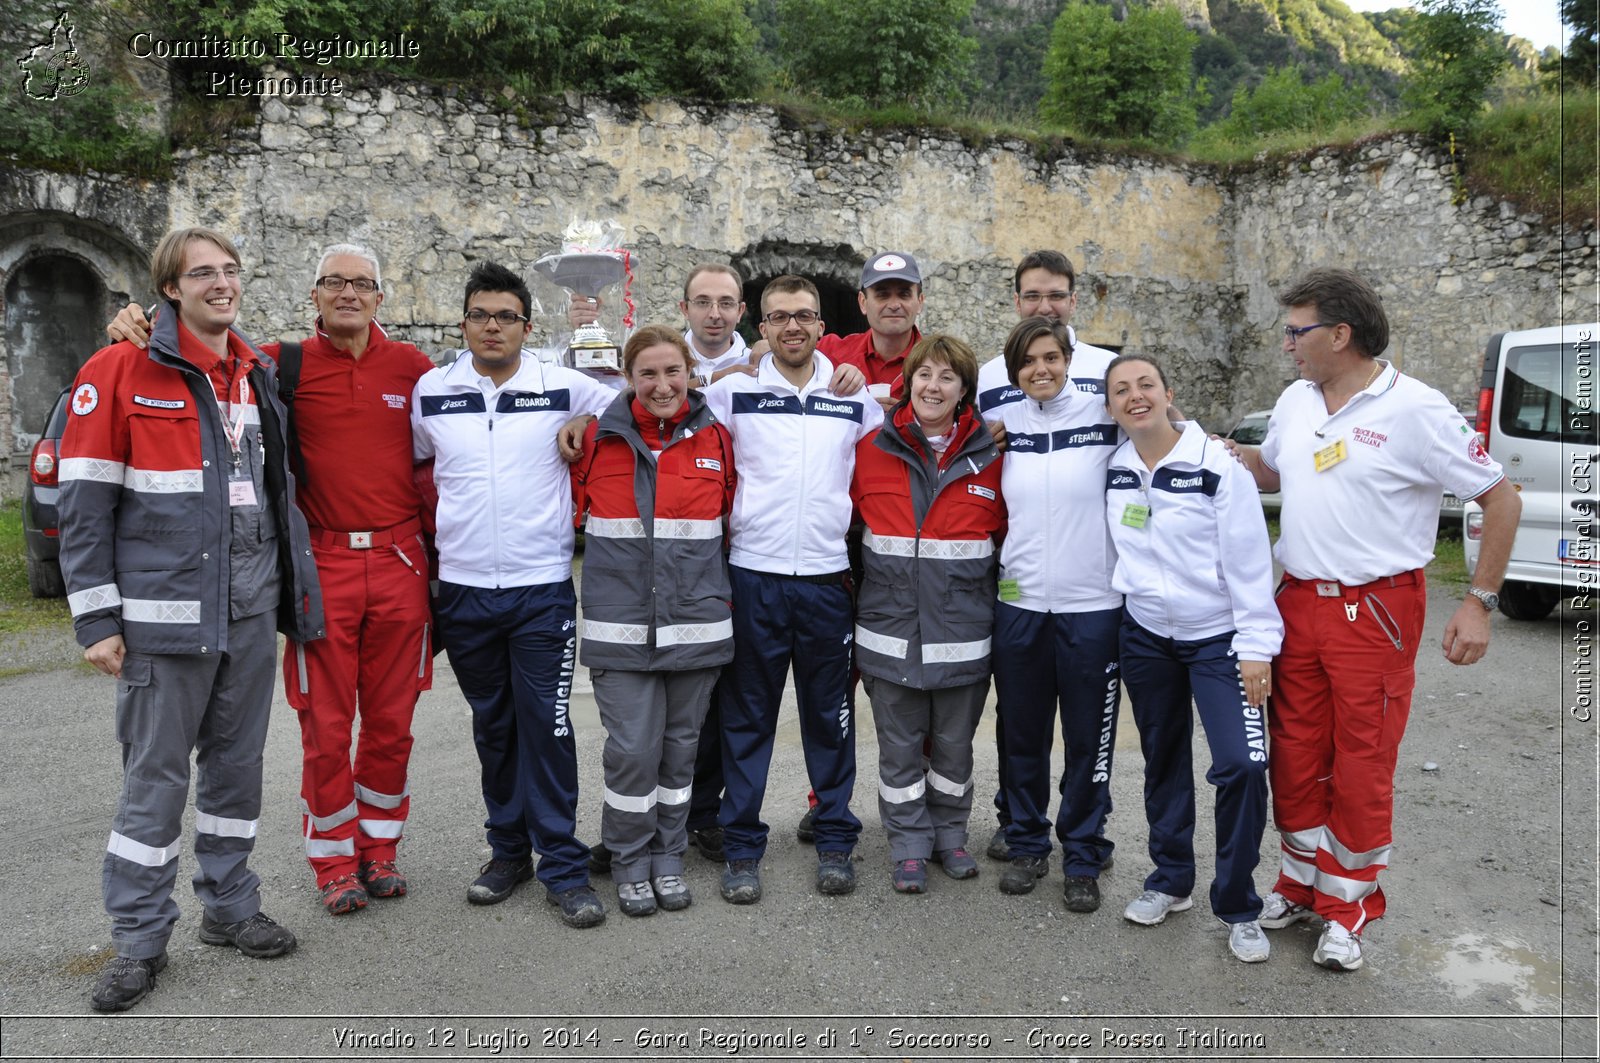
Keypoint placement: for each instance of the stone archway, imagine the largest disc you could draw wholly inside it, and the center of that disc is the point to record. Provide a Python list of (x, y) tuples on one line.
[(55, 313), (834, 268)]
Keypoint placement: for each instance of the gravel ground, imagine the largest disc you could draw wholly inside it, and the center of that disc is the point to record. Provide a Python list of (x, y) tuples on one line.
[(1489, 950)]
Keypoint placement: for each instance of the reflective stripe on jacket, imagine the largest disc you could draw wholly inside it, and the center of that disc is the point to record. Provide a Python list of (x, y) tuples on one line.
[(655, 590), (926, 608), (145, 518)]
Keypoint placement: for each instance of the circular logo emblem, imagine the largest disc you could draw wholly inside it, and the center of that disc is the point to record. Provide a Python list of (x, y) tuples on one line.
[(72, 74), (1476, 452), (85, 399), (889, 262)]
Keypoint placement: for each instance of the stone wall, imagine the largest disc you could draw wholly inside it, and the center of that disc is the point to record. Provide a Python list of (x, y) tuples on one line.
[(1176, 260)]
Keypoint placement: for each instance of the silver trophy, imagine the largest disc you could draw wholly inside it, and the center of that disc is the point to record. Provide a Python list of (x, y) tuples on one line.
[(587, 273)]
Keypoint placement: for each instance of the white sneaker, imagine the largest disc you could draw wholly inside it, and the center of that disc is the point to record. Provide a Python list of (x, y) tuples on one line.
[(1151, 907), (1248, 943), (1337, 949), (1278, 911)]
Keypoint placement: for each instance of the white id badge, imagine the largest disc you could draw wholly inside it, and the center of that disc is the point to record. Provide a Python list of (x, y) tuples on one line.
[(241, 493)]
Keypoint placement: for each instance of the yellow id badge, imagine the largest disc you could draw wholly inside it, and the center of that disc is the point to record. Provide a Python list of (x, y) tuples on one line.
[(1330, 455), (1009, 591), (1135, 515)]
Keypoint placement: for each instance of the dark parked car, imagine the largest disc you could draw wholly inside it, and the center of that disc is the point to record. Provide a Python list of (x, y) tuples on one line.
[(41, 524)]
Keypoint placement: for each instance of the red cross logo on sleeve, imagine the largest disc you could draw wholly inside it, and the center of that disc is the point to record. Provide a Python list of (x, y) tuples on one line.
[(85, 399)]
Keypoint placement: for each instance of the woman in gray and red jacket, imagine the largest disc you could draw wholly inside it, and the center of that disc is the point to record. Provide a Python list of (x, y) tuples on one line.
[(657, 482), (927, 487)]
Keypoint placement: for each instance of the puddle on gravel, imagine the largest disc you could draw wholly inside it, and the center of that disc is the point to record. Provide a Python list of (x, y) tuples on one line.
[(1472, 963)]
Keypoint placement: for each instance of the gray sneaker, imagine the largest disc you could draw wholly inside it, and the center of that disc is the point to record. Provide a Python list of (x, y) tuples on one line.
[(741, 882), (672, 893), (636, 898), (1248, 943), (1150, 908), (1278, 911)]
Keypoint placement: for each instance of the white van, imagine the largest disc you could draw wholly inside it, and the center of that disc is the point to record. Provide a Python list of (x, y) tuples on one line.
[(1536, 415)]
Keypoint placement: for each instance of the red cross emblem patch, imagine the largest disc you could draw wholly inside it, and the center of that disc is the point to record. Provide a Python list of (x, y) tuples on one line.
[(85, 399)]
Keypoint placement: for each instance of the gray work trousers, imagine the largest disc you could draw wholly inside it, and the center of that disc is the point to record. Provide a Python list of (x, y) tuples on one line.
[(924, 800), (652, 722), (215, 705)]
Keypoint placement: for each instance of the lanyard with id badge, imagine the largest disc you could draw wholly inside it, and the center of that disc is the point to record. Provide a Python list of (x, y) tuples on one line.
[(241, 485)]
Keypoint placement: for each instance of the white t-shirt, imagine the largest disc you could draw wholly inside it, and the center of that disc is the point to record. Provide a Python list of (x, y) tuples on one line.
[(1388, 456)]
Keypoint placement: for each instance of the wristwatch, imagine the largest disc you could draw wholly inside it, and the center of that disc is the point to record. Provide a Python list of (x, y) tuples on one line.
[(1489, 599)]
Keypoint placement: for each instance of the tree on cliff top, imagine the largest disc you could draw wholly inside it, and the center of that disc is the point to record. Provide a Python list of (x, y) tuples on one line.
[(1132, 79), (877, 51), (1457, 55)]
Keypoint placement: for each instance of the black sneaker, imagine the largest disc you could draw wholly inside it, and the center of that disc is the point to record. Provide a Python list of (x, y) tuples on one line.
[(599, 859), (741, 882), (580, 907), (709, 841), (498, 879), (126, 982), (1081, 893), (1023, 873), (999, 849), (257, 937), (806, 830), (836, 876)]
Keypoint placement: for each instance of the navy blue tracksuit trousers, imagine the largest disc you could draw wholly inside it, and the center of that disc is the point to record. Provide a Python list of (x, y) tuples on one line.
[(1161, 674), (513, 649), (1042, 660), (778, 620)]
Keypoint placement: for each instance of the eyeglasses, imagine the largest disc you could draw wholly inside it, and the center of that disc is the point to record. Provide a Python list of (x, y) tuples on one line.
[(209, 274), (1293, 334), (780, 318), (1030, 298), (727, 306), (505, 317), (364, 285)]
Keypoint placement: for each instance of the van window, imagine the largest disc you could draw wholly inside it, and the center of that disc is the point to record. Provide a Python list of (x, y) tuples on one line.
[(1539, 398)]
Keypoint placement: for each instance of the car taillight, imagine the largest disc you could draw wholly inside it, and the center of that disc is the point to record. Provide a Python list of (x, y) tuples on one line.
[(1485, 411), (1475, 525), (43, 466)]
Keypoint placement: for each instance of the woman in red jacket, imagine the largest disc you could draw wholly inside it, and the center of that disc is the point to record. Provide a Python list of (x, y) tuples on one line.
[(657, 482), (927, 487)]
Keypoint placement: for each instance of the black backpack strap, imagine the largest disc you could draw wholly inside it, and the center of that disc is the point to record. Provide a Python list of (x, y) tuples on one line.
[(290, 356)]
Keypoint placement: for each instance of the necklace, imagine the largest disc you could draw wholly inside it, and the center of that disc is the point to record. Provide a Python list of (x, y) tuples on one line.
[(1377, 367)]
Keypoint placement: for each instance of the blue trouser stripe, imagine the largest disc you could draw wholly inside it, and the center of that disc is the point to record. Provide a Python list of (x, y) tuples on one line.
[(1162, 674), (512, 650), (776, 622), (1042, 660)]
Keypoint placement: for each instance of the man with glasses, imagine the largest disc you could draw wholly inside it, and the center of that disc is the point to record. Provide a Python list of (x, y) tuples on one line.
[(713, 304), (794, 443), (507, 611), (1362, 454), (350, 415), (183, 553), (1044, 285)]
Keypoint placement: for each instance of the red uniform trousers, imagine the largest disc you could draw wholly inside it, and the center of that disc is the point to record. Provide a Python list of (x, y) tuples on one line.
[(1341, 695), (376, 655)]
